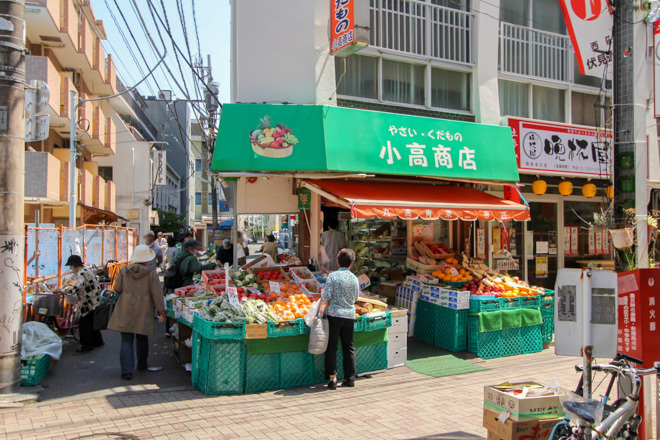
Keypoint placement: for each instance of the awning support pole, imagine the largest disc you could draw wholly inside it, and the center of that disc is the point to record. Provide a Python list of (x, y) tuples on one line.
[(318, 191)]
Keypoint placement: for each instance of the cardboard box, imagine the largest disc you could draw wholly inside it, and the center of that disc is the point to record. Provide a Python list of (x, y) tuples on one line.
[(547, 407), (397, 340), (534, 429), (256, 331), (388, 288), (431, 289), (396, 357), (399, 324)]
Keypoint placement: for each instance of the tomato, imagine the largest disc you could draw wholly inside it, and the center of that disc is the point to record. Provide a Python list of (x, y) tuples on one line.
[(241, 290)]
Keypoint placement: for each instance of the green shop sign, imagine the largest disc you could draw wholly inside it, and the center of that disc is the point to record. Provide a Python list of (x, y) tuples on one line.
[(278, 137)]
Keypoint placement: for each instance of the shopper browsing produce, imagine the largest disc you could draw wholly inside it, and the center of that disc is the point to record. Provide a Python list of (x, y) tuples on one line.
[(188, 264), (88, 290), (342, 289), (140, 292), (270, 247)]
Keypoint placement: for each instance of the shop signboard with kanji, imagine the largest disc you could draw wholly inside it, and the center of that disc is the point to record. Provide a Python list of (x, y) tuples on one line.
[(638, 334), (270, 137), (560, 149)]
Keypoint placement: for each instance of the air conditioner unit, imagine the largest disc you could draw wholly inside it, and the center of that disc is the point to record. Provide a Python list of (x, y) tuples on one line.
[(165, 94)]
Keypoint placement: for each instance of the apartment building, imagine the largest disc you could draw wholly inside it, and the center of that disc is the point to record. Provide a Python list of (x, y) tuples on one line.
[(495, 62), (64, 40)]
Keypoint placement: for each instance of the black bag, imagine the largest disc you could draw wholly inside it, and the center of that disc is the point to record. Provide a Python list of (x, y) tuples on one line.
[(173, 278), (102, 315)]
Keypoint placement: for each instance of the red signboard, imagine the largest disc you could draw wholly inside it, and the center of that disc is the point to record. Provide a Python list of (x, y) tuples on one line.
[(342, 25), (638, 334)]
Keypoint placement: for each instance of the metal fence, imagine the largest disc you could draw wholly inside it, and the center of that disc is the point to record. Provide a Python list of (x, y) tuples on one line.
[(413, 26), (530, 52), (49, 248)]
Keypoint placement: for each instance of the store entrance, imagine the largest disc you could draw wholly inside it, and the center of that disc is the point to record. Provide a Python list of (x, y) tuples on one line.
[(541, 245)]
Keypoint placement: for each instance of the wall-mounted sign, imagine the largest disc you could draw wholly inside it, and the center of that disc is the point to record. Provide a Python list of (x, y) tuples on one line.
[(159, 168), (346, 31), (481, 243), (589, 24), (542, 267), (545, 148)]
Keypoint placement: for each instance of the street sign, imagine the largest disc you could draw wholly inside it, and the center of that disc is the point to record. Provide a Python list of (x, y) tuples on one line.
[(36, 100), (159, 168)]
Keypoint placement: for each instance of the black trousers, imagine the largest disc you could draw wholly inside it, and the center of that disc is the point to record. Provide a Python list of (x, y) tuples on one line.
[(88, 336), (340, 328)]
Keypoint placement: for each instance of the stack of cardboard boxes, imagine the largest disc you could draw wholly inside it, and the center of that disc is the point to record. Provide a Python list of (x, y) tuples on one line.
[(520, 411), (397, 336)]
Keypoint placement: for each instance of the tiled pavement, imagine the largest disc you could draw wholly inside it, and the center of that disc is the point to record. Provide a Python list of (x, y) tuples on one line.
[(396, 404)]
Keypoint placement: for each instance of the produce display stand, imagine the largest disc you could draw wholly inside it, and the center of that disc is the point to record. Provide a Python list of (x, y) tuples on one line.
[(224, 361)]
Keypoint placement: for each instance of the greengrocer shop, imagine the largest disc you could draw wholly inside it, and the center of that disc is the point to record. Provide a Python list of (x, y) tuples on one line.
[(407, 193)]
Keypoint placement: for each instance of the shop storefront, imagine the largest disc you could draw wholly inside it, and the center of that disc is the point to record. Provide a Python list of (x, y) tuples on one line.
[(565, 174)]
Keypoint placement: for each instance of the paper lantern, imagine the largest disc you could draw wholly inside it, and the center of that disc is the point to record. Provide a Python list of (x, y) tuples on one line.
[(539, 187), (511, 193), (565, 188), (589, 190), (610, 192)]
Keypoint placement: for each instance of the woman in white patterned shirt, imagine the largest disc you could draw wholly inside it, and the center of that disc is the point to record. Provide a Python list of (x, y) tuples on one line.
[(342, 289), (88, 290)]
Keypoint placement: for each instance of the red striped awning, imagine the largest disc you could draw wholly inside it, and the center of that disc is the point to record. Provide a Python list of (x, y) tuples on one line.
[(413, 201)]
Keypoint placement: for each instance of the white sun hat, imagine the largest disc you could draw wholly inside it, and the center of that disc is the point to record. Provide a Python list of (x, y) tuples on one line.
[(142, 254)]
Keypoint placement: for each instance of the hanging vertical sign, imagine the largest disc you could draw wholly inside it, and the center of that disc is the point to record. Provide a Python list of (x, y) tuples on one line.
[(589, 24), (567, 240), (599, 241), (481, 243), (497, 243), (159, 168), (592, 241), (529, 245), (574, 240), (345, 34)]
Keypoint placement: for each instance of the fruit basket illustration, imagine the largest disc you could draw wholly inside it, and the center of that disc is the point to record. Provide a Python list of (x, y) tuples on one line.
[(272, 141)]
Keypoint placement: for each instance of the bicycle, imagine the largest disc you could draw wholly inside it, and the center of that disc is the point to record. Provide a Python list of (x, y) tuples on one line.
[(619, 418), (56, 310)]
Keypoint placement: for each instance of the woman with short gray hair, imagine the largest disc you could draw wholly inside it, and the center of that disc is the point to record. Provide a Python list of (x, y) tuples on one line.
[(187, 262)]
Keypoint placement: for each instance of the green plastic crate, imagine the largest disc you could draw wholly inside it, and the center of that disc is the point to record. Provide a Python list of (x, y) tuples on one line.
[(425, 322), (377, 322), (169, 306), (548, 310), (371, 358), (221, 366), (283, 328), (34, 369), (531, 339), (530, 302), (488, 304), (218, 330), (262, 372), (304, 328), (547, 329), (196, 354), (509, 303), (359, 325), (511, 342), (296, 369), (451, 329), (486, 345), (319, 367)]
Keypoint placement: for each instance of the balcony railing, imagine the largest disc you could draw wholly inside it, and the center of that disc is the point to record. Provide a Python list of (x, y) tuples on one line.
[(529, 52), (413, 26)]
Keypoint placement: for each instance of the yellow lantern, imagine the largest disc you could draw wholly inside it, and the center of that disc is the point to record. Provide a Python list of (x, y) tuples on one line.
[(589, 190), (610, 192), (565, 188), (539, 187)]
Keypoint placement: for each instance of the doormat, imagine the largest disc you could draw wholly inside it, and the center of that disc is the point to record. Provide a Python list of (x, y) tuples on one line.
[(432, 361)]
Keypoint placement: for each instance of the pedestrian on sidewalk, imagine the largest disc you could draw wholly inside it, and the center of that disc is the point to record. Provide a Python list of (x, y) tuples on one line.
[(140, 291), (342, 289), (150, 240), (270, 247), (243, 250), (162, 244), (225, 253), (172, 250), (88, 291)]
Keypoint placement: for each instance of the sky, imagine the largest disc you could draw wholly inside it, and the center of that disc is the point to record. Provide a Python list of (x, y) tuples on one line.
[(128, 42)]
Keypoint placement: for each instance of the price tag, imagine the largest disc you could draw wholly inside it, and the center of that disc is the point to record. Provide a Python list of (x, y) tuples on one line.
[(274, 287), (232, 296), (453, 271)]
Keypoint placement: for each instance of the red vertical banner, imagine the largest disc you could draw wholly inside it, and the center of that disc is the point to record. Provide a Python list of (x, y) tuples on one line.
[(342, 25)]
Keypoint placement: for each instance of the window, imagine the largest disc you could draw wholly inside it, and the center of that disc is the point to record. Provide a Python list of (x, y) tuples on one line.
[(514, 99), (548, 104), (450, 89), (515, 11), (198, 198), (357, 76), (403, 82), (544, 15), (210, 197), (198, 165), (583, 111), (463, 5), (105, 173)]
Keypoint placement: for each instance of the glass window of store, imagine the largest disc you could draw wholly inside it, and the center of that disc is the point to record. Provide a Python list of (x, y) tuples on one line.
[(507, 240), (582, 243)]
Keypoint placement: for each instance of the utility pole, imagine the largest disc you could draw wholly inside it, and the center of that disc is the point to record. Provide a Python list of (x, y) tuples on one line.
[(12, 190), (631, 74), (212, 105)]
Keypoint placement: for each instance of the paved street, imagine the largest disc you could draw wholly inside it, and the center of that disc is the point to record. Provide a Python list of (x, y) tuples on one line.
[(396, 404)]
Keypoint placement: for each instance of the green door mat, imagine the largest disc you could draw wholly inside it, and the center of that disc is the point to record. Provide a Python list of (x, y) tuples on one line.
[(429, 360)]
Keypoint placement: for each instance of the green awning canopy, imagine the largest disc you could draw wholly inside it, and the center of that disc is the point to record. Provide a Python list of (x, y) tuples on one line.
[(315, 138)]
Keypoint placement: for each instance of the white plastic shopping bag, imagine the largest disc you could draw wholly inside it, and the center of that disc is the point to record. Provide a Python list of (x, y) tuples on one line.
[(319, 329)]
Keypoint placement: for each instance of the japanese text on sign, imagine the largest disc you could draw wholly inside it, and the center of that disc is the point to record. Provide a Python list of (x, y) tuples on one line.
[(426, 155), (561, 149), (342, 31)]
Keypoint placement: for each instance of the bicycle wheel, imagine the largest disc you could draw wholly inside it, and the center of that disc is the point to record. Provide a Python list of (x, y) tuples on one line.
[(562, 431)]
